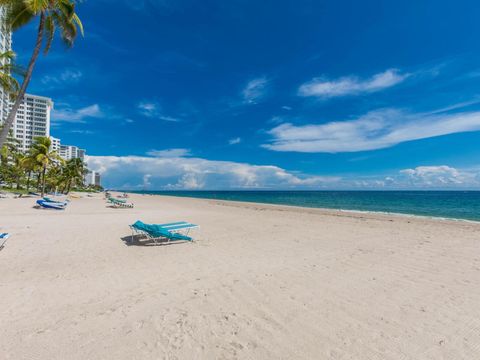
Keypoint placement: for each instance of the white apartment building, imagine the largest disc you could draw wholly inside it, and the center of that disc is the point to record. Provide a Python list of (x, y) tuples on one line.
[(5, 45), (32, 120), (92, 178), (68, 152), (55, 144), (81, 153)]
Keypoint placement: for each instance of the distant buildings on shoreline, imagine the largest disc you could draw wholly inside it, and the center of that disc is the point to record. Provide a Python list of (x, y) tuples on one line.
[(92, 178)]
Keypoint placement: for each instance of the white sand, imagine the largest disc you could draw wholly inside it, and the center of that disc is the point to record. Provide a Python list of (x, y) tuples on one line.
[(260, 282)]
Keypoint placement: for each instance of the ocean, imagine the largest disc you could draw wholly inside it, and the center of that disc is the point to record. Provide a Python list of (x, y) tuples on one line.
[(463, 205)]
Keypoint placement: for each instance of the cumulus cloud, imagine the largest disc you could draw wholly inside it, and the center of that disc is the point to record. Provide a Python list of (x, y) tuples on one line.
[(255, 90), (437, 176), (72, 115), (351, 85), (375, 130), (167, 172), (131, 172), (428, 177)]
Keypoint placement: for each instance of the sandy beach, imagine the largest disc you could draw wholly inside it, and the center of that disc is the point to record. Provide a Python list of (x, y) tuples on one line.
[(259, 282)]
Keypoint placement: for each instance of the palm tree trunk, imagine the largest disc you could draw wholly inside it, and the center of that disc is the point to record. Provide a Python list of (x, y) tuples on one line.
[(26, 80), (43, 180), (39, 177), (28, 180)]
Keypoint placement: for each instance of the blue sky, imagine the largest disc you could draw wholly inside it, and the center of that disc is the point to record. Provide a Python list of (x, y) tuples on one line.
[(174, 94)]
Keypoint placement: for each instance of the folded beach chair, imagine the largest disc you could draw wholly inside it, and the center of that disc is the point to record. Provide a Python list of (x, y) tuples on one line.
[(163, 232), (47, 199), (52, 205), (3, 239), (112, 199), (120, 203)]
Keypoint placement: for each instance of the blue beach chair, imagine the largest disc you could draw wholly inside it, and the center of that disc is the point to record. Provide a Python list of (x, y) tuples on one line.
[(52, 205), (3, 239), (163, 232)]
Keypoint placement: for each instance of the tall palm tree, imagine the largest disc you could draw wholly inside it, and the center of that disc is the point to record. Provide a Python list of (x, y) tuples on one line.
[(52, 14), (44, 156)]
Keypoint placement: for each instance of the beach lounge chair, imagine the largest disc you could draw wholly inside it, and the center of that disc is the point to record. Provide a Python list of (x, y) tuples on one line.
[(112, 199), (3, 239), (52, 205), (163, 232), (47, 199), (120, 203)]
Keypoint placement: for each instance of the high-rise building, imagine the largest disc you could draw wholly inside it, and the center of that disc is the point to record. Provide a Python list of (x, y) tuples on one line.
[(81, 153), (32, 120), (5, 45), (68, 152), (55, 144), (92, 178)]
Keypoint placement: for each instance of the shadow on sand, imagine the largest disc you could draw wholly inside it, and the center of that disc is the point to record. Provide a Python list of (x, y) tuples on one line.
[(139, 240)]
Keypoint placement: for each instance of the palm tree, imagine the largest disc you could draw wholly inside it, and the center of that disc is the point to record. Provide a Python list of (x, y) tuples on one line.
[(30, 165), (44, 157), (8, 83), (8, 154), (74, 172), (52, 14), (18, 171)]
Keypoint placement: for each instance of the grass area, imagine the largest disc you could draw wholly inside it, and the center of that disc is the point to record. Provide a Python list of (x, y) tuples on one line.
[(14, 190)]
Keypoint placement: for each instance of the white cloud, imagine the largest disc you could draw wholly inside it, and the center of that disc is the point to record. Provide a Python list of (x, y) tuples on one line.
[(234, 141), (149, 109), (77, 115), (168, 118), (169, 153), (437, 176), (351, 85), (375, 130), (82, 132), (255, 90), (68, 76), (442, 177), (130, 172), (154, 110), (169, 172), (432, 177)]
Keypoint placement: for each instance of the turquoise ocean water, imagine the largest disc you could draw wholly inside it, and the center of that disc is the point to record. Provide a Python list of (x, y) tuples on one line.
[(446, 204)]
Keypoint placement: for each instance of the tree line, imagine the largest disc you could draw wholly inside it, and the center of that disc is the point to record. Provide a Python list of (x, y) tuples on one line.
[(40, 169)]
